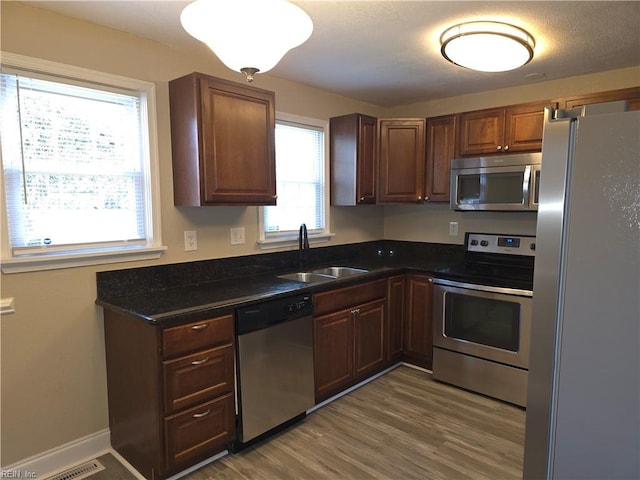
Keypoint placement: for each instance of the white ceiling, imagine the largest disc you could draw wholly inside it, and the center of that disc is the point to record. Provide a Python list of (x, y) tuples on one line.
[(388, 53)]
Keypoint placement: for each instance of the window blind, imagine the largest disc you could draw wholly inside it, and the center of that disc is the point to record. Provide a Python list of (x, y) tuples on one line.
[(73, 165), (299, 179)]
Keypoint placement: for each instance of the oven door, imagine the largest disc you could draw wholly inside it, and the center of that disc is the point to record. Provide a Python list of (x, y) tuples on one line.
[(491, 323)]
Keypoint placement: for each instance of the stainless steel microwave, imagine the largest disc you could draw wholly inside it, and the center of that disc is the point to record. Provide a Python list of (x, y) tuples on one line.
[(498, 183)]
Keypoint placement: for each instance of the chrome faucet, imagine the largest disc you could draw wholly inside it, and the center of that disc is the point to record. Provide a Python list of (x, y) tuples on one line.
[(303, 245)]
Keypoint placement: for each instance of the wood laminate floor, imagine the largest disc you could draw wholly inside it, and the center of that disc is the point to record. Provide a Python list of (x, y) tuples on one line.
[(402, 425)]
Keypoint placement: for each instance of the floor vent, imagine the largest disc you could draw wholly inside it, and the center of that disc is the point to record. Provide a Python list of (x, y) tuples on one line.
[(81, 471)]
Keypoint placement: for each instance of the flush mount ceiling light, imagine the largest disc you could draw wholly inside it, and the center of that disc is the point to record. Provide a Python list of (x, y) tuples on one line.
[(487, 46), (248, 36)]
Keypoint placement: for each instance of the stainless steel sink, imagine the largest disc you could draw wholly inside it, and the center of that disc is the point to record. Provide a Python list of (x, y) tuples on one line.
[(340, 272), (308, 277), (323, 274)]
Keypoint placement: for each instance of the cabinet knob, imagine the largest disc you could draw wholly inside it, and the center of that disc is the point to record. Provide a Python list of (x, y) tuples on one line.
[(506, 147), (362, 199), (499, 148), (430, 280), (419, 198), (426, 198)]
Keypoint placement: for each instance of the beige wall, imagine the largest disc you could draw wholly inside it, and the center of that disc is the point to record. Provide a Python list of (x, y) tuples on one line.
[(53, 369), (52, 364)]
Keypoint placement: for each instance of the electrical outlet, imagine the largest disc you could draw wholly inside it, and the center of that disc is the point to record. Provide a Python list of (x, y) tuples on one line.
[(453, 229), (190, 240), (237, 236)]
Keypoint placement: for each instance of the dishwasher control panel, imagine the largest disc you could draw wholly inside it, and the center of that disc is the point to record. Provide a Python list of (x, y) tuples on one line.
[(264, 314)]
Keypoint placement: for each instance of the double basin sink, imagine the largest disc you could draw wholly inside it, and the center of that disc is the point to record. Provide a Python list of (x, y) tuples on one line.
[(323, 274)]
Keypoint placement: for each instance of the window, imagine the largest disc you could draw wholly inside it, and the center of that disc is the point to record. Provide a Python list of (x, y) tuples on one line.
[(300, 182), (78, 166)]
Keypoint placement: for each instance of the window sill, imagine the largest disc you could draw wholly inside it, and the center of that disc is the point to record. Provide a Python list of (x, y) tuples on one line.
[(293, 241), (37, 263)]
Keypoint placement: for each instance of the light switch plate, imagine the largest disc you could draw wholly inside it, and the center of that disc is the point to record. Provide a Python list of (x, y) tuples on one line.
[(453, 229), (237, 236), (190, 240)]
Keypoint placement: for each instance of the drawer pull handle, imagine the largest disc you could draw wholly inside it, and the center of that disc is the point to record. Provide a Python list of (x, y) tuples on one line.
[(200, 362), (200, 415), (200, 327)]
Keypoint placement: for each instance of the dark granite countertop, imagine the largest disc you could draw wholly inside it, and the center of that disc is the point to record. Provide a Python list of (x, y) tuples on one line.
[(178, 293)]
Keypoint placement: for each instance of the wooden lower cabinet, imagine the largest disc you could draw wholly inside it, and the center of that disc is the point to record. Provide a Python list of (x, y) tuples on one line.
[(333, 352), (418, 332), (396, 308), (170, 391), (368, 333), (349, 336), (200, 429)]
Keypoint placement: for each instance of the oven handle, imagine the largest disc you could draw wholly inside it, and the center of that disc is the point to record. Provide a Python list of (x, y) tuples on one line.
[(484, 288)]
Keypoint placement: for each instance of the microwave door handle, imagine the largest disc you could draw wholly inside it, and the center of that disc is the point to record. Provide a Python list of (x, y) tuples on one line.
[(525, 185), (533, 191)]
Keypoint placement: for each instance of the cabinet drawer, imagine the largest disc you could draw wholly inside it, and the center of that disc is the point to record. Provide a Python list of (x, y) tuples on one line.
[(194, 336), (197, 377), (199, 432), (342, 298)]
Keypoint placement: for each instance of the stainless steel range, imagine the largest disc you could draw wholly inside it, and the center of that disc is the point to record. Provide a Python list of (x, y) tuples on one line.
[(482, 317)]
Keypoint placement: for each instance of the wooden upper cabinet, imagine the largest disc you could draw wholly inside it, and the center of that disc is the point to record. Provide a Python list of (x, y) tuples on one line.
[(441, 149), (516, 128), (223, 142), (481, 131), (353, 145), (631, 95), (402, 160)]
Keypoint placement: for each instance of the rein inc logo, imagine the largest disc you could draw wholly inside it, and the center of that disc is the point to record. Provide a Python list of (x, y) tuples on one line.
[(17, 474)]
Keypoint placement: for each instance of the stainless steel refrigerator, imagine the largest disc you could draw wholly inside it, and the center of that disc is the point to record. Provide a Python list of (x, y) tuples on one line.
[(583, 401)]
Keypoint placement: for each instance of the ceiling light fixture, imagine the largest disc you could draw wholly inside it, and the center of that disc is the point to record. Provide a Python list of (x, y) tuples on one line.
[(487, 46), (248, 36)]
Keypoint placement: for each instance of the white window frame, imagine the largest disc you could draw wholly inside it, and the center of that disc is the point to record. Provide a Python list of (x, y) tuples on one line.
[(287, 239), (55, 259)]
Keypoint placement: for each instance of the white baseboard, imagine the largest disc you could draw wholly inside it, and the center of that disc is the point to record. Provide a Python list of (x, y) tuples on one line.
[(63, 457)]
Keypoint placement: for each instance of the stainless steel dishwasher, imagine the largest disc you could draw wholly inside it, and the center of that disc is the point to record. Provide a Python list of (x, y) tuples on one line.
[(275, 384)]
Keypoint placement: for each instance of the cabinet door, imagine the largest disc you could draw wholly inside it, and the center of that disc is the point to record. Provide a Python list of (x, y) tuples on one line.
[(396, 301), (441, 145), (368, 332), (238, 151), (523, 127), (352, 149), (332, 352), (367, 177), (418, 343), (402, 160), (481, 132)]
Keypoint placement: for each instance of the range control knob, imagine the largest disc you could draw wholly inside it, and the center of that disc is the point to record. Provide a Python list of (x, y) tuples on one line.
[(474, 242), (532, 246), (484, 243)]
